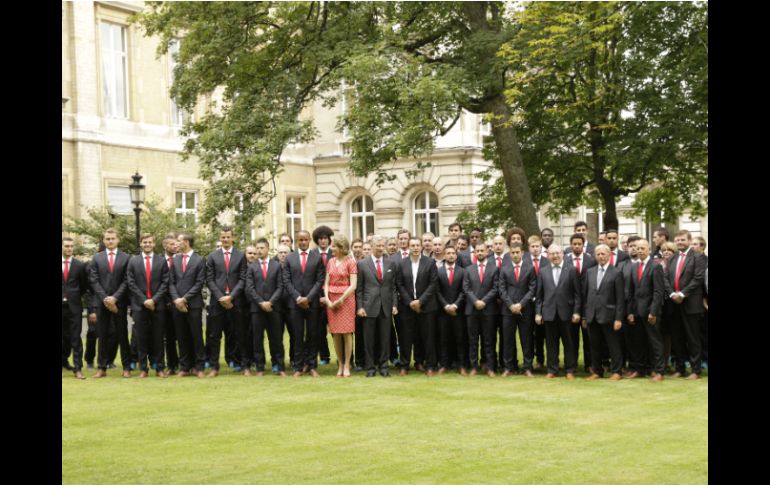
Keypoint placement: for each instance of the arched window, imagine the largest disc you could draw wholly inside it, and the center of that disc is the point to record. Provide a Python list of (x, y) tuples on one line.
[(361, 217), (426, 213)]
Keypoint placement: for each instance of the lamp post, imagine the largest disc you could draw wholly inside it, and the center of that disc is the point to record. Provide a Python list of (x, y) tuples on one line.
[(137, 198)]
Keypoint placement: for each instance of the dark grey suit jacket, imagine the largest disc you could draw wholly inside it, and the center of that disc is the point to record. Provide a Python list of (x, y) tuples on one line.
[(451, 294), (485, 291), (259, 289), (136, 278), (561, 301), (76, 287), (606, 303), (104, 283), (426, 285), (307, 284), (690, 281), (217, 279), (511, 291), (371, 295), (646, 297), (188, 284)]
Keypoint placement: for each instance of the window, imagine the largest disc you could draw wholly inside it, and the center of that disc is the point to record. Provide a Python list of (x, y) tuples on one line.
[(178, 116), (119, 199), (426, 213), (361, 217), (114, 70), (294, 210), (187, 207)]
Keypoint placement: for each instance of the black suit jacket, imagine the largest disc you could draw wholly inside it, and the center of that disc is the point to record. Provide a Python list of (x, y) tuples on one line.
[(329, 257), (426, 285), (464, 259), (690, 281), (188, 284), (589, 248), (606, 303), (371, 295), (511, 291), (136, 278), (451, 294), (308, 284), (622, 256), (561, 301), (259, 289), (646, 296), (485, 291), (104, 283), (217, 278), (76, 287)]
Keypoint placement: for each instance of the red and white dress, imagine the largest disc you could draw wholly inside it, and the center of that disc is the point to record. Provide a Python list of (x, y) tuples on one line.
[(342, 319)]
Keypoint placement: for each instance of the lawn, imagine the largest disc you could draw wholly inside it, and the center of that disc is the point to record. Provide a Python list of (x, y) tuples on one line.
[(445, 429)]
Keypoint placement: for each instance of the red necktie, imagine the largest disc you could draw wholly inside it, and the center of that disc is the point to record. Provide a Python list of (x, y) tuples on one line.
[(537, 265), (323, 258), (516, 271), (148, 270), (679, 271), (170, 259), (112, 261), (640, 271), (475, 258), (404, 254), (451, 274), (184, 263), (66, 270), (264, 270), (227, 270), (499, 262), (612, 258), (481, 272), (379, 270), (304, 260), (577, 262)]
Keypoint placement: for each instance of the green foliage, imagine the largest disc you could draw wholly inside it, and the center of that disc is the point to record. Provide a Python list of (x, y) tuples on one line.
[(156, 219)]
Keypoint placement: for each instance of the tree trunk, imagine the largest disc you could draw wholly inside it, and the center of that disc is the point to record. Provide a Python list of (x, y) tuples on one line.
[(610, 213), (516, 184)]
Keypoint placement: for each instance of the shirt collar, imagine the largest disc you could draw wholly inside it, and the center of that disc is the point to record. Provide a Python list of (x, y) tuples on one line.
[(107, 251), (646, 260), (151, 255)]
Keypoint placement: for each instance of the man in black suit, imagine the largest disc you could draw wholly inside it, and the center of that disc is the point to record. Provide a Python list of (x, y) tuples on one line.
[(170, 245), (226, 280), (322, 237), (303, 276), (188, 275), (108, 282), (147, 279), (496, 256), (74, 286), (538, 259), (402, 252), (684, 284), (617, 256), (698, 244), (376, 298), (582, 228), (480, 288), (263, 291), (283, 305), (558, 296), (417, 305), (645, 304), (451, 315), (516, 285), (581, 260), (604, 307)]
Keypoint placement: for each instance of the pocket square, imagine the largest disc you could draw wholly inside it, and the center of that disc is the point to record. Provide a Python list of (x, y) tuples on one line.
[(389, 271)]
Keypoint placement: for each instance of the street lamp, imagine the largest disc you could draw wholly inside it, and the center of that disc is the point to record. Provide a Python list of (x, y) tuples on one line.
[(137, 198)]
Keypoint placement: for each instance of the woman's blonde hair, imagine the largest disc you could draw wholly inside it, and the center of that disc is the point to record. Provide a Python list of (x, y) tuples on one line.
[(342, 245)]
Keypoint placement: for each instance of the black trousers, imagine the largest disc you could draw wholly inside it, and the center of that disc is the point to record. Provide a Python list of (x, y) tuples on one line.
[(377, 339), (395, 344), (285, 317), (150, 329), (577, 330), (66, 345), (112, 330), (232, 318), (269, 322), (605, 332), (686, 339), (636, 344), (134, 342), (418, 345), (233, 344), (359, 345), (484, 325), (451, 330), (555, 330), (705, 335), (74, 326), (323, 343), (500, 341), (522, 323), (172, 355), (654, 343), (189, 332), (91, 344), (539, 341), (413, 326), (305, 323), (245, 337)]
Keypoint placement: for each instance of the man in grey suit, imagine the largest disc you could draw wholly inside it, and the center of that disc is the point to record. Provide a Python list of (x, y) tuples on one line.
[(603, 311), (480, 288), (684, 285), (517, 284), (558, 296), (376, 301)]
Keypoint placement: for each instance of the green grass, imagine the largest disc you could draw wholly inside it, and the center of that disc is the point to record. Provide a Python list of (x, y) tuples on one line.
[(415, 429)]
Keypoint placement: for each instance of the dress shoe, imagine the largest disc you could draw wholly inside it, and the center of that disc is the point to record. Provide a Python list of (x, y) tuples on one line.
[(570, 376), (442, 371), (693, 376), (632, 375), (370, 373), (297, 374), (281, 373), (430, 373), (403, 372), (676, 375), (657, 377), (161, 374), (126, 374), (593, 377), (324, 362), (143, 374), (358, 368), (247, 373), (529, 373), (385, 373), (419, 367), (171, 372), (200, 374), (79, 375), (463, 372), (314, 373), (615, 377), (491, 373), (99, 374), (507, 373), (395, 362), (183, 373), (213, 373), (550, 376)]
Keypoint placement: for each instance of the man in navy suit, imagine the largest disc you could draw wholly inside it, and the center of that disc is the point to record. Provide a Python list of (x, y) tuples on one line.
[(451, 314), (108, 282), (617, 256), (581, 260), (480, 287), (264, 292), (558, 297), (303, 275), (147, 279), (684, 284), (188, 275), (226, 279), (538, 259), (74, 286), (516, 285)]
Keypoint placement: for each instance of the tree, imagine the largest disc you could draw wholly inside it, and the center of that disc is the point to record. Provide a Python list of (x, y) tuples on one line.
[(611, 99), (410, 68)]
